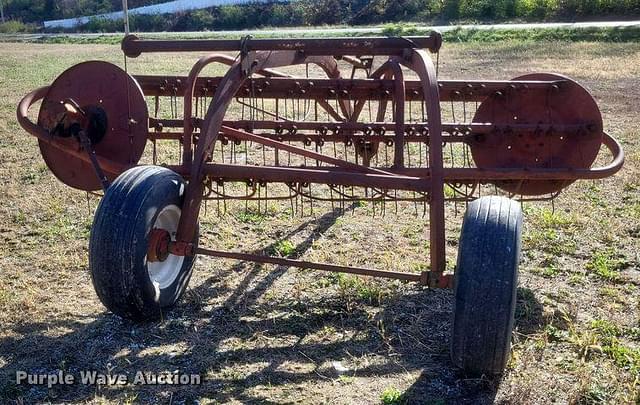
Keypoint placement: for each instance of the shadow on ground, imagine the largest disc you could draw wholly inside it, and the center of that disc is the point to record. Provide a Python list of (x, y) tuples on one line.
[(409, 332)]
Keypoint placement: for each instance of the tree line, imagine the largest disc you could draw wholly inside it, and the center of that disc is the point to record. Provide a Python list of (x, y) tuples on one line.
[(29, 14)]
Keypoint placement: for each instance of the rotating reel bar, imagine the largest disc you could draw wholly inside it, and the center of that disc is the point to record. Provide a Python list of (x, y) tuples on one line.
[(533, 123), (539, 121)]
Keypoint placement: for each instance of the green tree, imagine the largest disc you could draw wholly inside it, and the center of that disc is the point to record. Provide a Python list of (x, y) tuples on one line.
[(450, 9), (199, 20)]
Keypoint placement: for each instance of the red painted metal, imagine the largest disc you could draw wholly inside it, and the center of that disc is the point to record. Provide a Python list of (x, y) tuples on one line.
[(159, 240), (94, 84), (546, 145), (132, 46), (533, 135), (420, 63), (281, 261)]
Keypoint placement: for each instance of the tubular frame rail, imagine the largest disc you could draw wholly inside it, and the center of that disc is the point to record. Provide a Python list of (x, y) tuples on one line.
[(255, 71)]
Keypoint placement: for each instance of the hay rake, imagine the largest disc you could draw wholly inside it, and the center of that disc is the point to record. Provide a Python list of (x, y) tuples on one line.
[(366, 120)]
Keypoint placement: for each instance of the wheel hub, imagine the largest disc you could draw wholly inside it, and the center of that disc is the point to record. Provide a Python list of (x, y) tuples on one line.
[(159, 240), (162, 265)]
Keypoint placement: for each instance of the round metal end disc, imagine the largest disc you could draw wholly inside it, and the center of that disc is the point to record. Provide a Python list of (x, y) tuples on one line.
[(104, 85), (568, 104)]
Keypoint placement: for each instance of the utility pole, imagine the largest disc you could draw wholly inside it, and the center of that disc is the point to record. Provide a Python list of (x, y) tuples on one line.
[(1, 11), (125, 15)]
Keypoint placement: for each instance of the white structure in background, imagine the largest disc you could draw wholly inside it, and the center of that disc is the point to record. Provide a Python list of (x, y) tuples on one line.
[(163, 8)]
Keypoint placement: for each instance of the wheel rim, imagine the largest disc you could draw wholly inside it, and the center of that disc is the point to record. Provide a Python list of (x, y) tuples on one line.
[(163, 274)]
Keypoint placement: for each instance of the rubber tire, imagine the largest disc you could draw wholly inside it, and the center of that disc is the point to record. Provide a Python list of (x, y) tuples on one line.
[(485, 285), (119, 242)]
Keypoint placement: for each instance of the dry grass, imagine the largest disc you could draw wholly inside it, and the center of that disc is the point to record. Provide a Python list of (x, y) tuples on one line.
[(267, 334)]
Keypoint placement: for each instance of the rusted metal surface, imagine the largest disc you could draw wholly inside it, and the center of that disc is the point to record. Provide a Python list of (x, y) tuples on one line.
[(159, 240), (386, 125), (102, 86), (547, 145), (357, 89), (133, 46), (281, 261)]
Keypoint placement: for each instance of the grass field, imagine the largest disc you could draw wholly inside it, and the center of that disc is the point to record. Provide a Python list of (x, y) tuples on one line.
[(275, 335), (459, 34)]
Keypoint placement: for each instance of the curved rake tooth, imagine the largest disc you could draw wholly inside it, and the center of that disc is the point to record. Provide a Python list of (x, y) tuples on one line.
[(301, 203), (154, 152), (395, 196), (224, 201), (218, 199), (424, 205), (333, 208), (246, 201), (311, 199)]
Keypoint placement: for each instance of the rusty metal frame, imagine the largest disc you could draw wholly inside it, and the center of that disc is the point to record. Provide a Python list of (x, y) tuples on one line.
[(387, 83)]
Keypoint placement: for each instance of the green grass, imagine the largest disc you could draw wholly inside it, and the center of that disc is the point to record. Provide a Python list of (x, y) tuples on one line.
[(593, 394), (550, 241), (606, 265), (605, 327), (623, 356), (549, 271), (551, 232), (251, 216), (284, 248), (391, 396), (359, 289), (602, 338), (626, 34)]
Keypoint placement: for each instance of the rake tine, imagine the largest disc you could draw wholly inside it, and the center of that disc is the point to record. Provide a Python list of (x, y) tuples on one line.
[(384, 203), (424, 205), (333, 208), (373, 207), (246, 201), (301, 203), (291, 200), (224, 200), (218, 199), (395, 199), (353, 212), (246, 153)]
